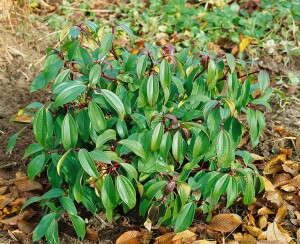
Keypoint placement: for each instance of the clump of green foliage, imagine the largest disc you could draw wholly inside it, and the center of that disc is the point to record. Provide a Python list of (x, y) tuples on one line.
[(274, 26), (157, 130)]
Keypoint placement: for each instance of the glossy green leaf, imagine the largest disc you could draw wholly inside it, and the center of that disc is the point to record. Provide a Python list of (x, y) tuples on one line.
[(165, 74), (69, 94), (83, 123), (36, 166), (106, 43), (177, 147), (165, 145), (97, 117), (69, 132), (157, 136), (152, 90), (105, 136), (141, 66), (52, 233), (263, 81), (126, 191), (43, 226), (225, 150), (12, 142), (154, 188), (108, 197), (201, 144), (134, 146), (130, 170), (185, 218), (220, 187), (128, 31), (68, 205), (79, 225), (249, 193), (87, 163), (230, 61), (115, 102), (32, 149), (95, 74), (231, 191)]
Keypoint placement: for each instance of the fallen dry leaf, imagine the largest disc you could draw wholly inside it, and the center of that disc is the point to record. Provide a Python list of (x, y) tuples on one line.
[(3, 190), (204, 242), (91, 234), (21, 216), (257, 157), (282, 179), (24, 184), (298, 144), (287, 152), (165, 239), (275, 164), (253, 230), (25, 227), (5, 200), (268, 184), (274, 234), (129, 237), (265, 211), (185, 236), (275, 197), (23, 118), (291, 167), (298, 234), (279, 129), (262, 222), (244, 239), (281, 214), (225, 222), (244, 43)]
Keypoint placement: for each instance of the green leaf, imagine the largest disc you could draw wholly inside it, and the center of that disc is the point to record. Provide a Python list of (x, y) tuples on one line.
[(253, 124), (108, 197), (38, 83), (128, 31), (263, 81), (154, 188), (157, 136), (68, 205), (53, 193), (69, 133), (230, 61), (134, 146), (178, 84), (165, 145), (83, 122), (212, 75), (79, 225), (249, 193), (130, 170), (105, 136), (115, 102), (185, 218), (126, 191), (32, 149), (177, 147), (225, 150), (43, 226), (54, 178), (12, 141), (165, 74), (50, 71), (152, 90), (87, 163), (61, 160), (97, 117), (201, 144), (106, 43), (220, 187), (52, 233), (69, 94), (41, 128), (141, 66), (95, 74), (35, 166), (231, 191), (73, 49)]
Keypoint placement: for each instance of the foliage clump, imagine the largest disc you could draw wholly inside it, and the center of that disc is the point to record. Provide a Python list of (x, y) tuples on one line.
[(157, 130)]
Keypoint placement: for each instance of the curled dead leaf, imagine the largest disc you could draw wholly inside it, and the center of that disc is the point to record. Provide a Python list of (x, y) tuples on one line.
[(275, 198), (281, 214), (291, 167), (130, 237), (165, 239), (257, 157), (286, 151), (21, 216), (274, 234), (225, 222), (244, 239), (265, 211), (24, 184), (262, 222), (282, 179), (25, 227), (275, 164), (279, 129), (268, 184), (253, 230)]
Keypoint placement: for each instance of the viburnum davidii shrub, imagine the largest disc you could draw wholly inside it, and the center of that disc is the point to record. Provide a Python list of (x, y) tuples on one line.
[(157, 130)]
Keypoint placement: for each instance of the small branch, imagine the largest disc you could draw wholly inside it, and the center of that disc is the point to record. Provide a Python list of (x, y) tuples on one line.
[(252, 73), (109, 78)]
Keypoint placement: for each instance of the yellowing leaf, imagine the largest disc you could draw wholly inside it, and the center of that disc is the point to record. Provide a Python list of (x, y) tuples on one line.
[(244, 43), (225, 222), (275, 164)]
